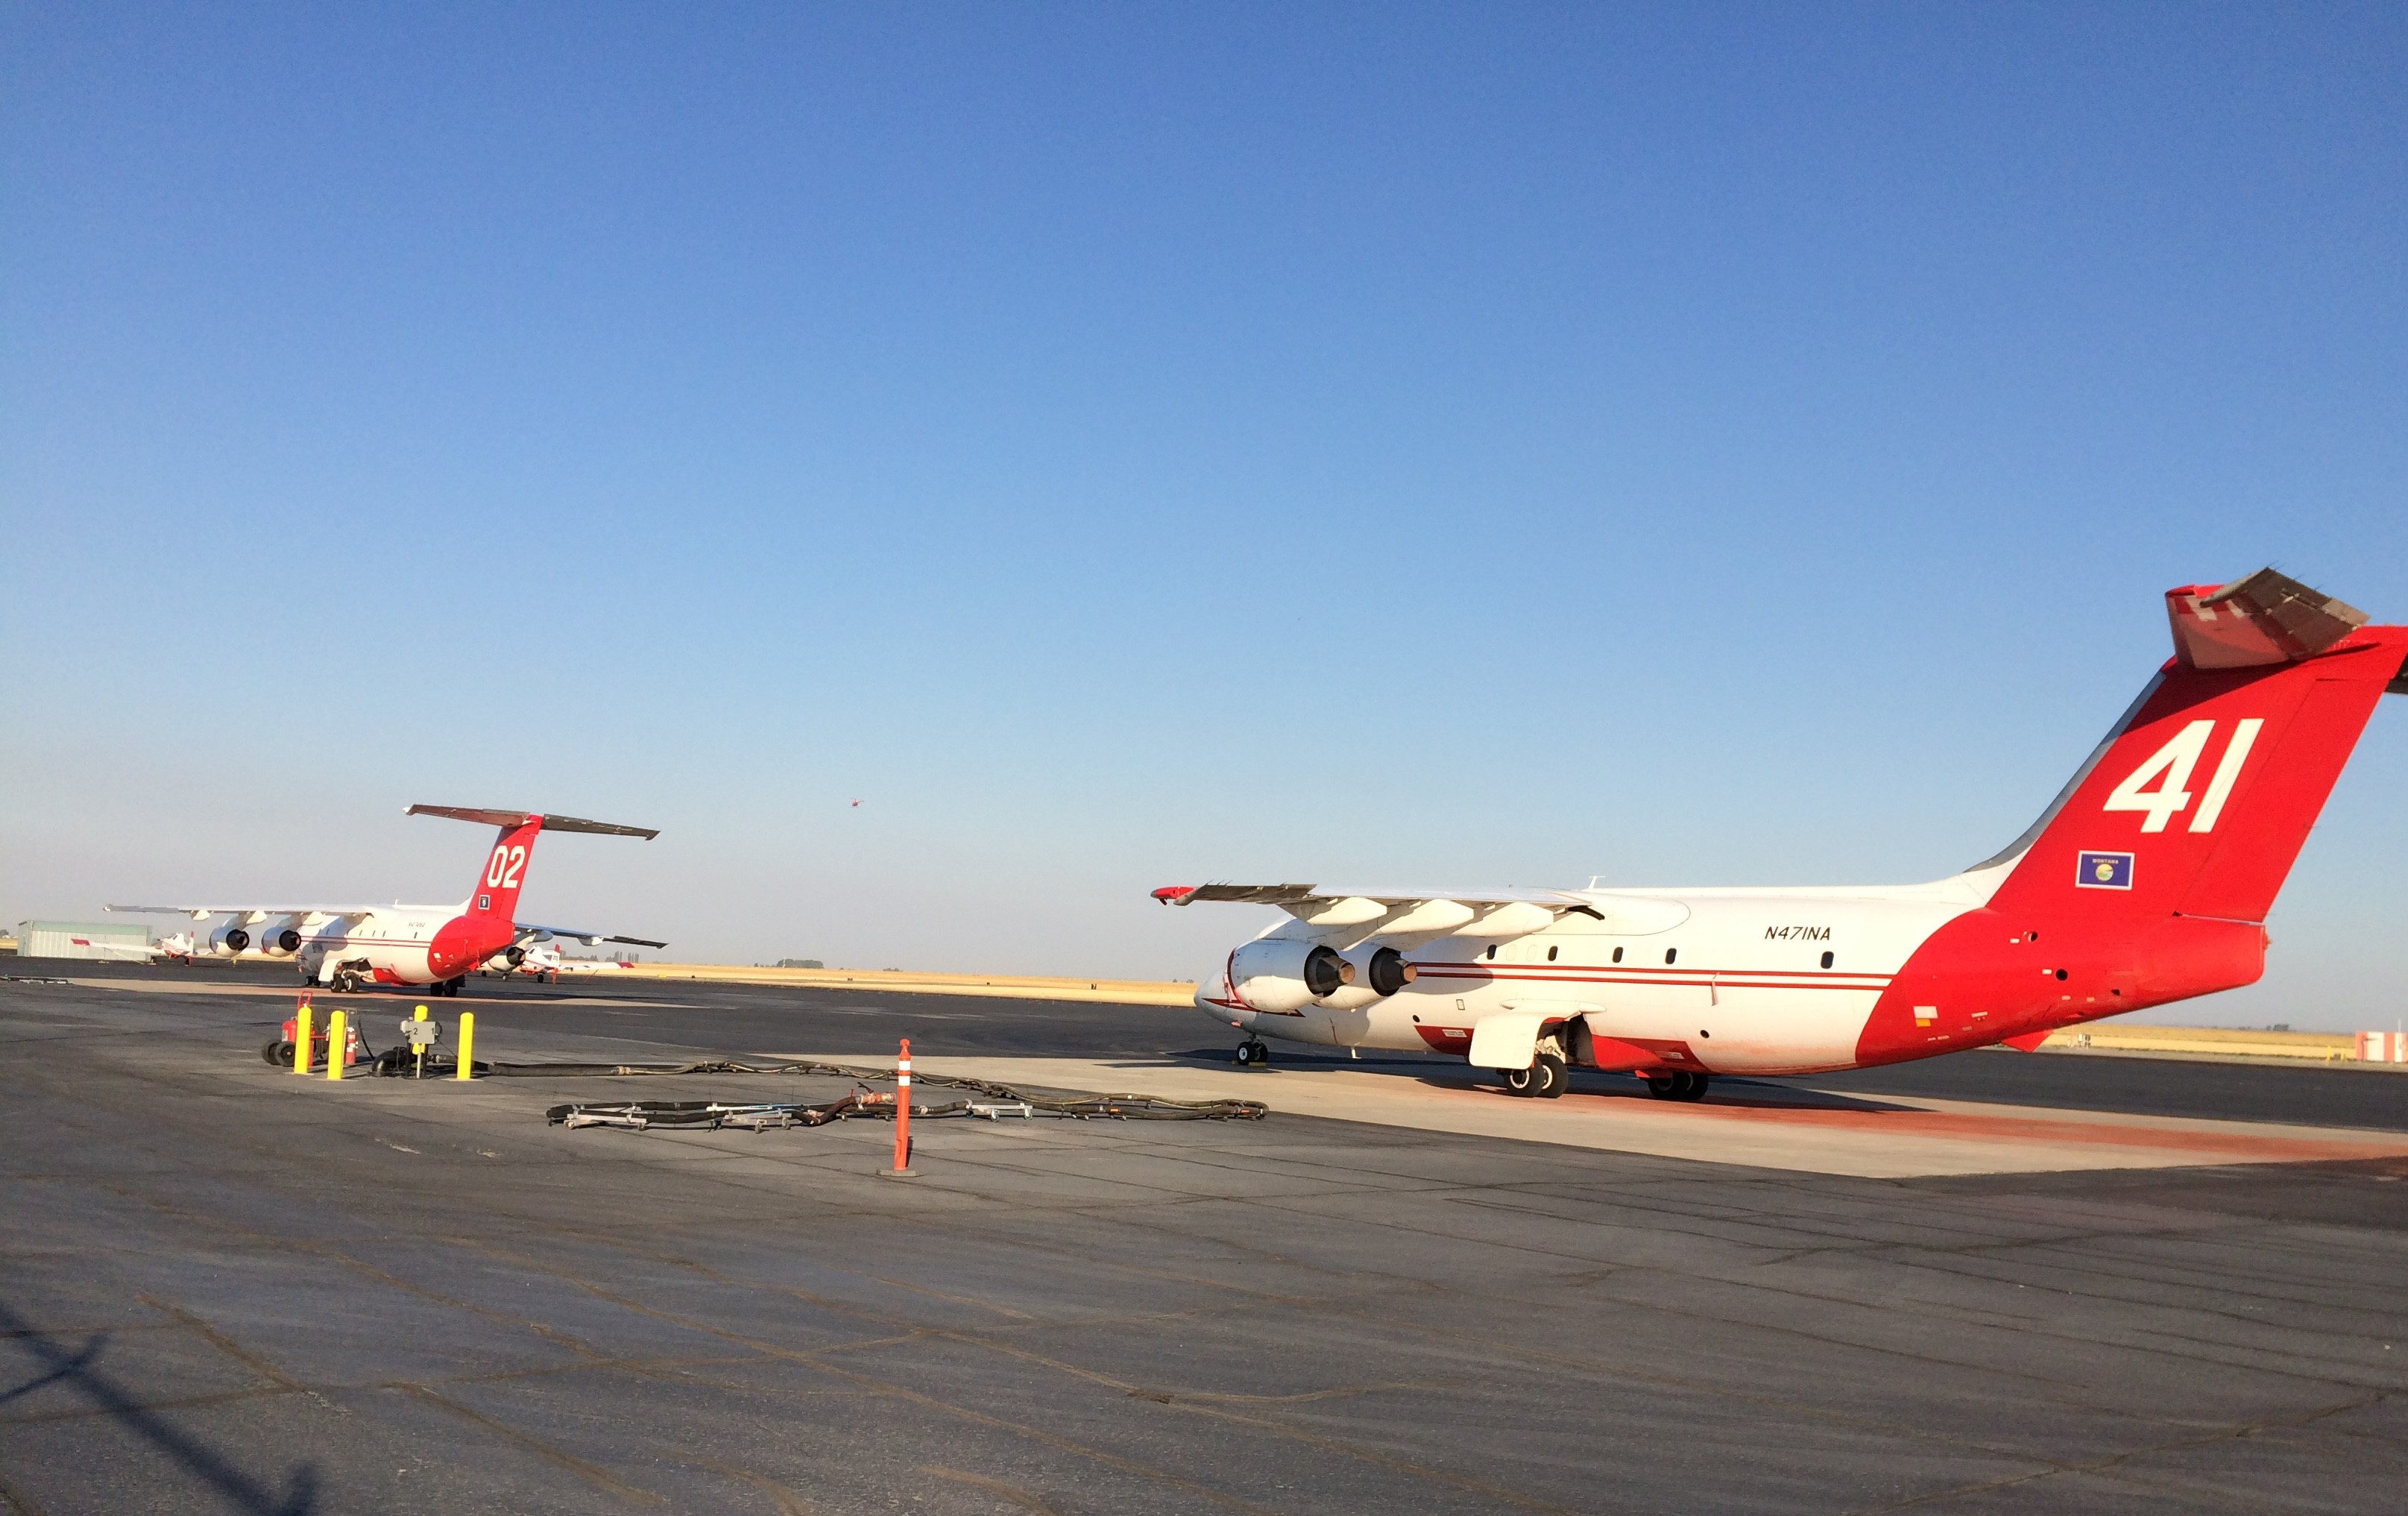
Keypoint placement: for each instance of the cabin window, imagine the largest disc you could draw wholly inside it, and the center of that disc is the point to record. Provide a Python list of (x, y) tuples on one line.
[(1826, 960), (1617, 955), (1551, 955), (1492, 949), (1670, 953)]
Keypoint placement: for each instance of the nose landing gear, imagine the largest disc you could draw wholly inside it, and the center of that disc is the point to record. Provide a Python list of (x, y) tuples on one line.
[(1677, 1084), (1253, 1052)]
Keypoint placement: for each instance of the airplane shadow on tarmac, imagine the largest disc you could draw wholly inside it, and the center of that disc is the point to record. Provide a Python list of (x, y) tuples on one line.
[(1746, 1095)]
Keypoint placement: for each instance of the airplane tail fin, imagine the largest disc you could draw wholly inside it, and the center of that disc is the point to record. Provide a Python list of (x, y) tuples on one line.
[(495, 893), (2199, 800)]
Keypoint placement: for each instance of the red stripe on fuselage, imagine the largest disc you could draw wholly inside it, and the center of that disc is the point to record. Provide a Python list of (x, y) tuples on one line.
[(1699, 978)]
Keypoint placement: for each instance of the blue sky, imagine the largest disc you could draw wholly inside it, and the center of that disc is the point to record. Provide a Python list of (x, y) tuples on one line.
[(1127, 445)]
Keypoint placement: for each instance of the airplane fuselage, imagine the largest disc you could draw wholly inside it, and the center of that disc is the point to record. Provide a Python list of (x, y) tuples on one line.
[(2147, 880), (408, 945), (1739, 981)]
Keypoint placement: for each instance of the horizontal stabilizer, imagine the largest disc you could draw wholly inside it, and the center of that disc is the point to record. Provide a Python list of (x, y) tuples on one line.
[(2266, 619), (518, 818)]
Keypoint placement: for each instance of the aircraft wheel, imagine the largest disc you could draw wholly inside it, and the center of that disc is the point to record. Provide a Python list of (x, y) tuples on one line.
[(1696, 1089), (1256, 1053), (1666, 1086), (1548, 1077), (1518, 1080)]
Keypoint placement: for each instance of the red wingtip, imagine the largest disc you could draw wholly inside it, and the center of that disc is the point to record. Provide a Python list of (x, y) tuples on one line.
[(1173, 894)]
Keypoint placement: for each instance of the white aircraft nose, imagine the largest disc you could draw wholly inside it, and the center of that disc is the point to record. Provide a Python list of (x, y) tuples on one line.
[(1216, 999)]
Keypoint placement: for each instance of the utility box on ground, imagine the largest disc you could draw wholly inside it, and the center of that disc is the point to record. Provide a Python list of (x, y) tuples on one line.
[(2381, 1047), (112, 942)]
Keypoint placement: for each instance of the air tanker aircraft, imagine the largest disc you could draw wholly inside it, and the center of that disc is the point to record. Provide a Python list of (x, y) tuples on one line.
[(351, 946), (2146, 881)]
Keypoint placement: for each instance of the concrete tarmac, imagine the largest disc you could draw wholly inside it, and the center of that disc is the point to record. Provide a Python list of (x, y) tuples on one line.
[(227, 1287)]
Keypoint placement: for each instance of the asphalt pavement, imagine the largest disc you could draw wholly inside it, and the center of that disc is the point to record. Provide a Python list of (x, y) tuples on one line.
[(227, 1287)]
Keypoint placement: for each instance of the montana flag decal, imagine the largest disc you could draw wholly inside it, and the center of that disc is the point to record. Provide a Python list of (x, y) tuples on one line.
[(2104, 870)]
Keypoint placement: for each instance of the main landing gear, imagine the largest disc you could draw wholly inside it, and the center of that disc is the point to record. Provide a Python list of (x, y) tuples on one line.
[(1251, 1051), (1679, 1084), (1544, 1079)]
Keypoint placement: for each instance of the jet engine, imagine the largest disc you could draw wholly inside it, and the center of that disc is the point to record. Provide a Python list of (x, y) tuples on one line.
[(1280, 974), (1378, 972), (228, 941), (283, 942)]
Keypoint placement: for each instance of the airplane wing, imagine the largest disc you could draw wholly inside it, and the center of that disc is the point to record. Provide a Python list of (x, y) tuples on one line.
[(1431, 913), (1395, 912), (591, 939), (202, 912)]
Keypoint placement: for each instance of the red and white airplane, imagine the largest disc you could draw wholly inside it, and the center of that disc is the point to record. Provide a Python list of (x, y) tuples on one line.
[(351, 946), (2147, 880), (538, 958)]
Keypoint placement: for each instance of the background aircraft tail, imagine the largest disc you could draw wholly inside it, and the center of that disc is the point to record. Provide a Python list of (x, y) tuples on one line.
[(495, 893)]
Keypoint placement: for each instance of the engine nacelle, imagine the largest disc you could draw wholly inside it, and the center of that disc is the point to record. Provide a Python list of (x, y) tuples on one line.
[(283, 942), (227, 940), (1280, 974), (1378, 972)]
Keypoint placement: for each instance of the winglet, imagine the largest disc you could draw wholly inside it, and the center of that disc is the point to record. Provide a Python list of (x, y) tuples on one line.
[(519, 818), (2266, 619)]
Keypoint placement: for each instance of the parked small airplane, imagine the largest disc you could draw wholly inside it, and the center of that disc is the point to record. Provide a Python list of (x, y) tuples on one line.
[(2136, 887), (351, 946), (537, 956)]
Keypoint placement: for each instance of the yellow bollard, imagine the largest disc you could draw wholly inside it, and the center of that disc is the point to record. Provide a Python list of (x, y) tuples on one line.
[(301, 1019), (467, 1043), (418, 1014), (336, 1036)]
